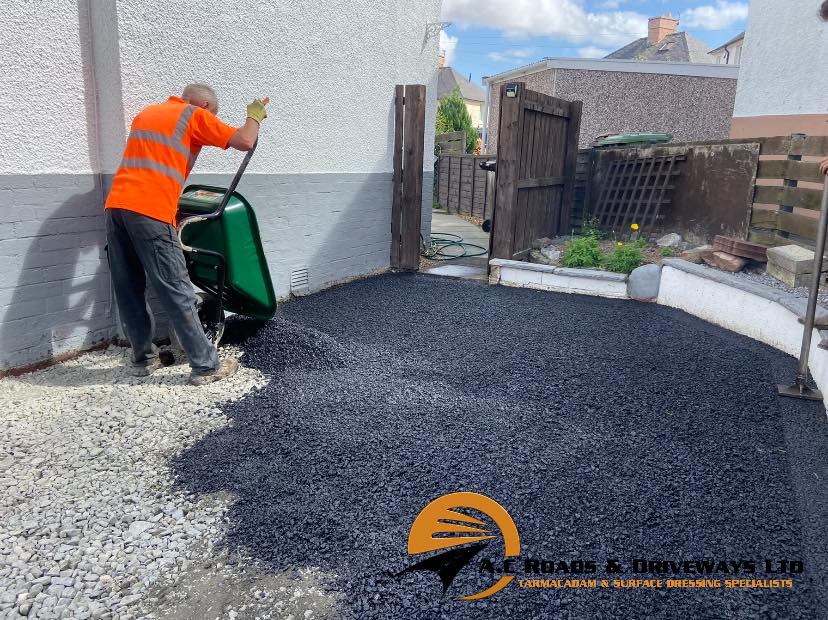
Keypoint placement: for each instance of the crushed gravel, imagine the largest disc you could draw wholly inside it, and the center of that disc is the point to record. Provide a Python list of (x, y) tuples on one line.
[(758, 276), (607, 429), (89, 519)]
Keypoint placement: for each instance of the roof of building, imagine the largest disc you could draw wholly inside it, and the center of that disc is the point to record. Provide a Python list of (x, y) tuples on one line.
[(708, 69), (448, 78), (676, 47), (738, 37)]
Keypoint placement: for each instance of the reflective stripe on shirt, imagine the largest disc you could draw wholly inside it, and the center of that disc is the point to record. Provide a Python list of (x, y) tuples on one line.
[(151, 164)]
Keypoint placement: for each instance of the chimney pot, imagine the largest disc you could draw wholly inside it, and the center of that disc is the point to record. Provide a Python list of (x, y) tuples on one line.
[(441, 59), (660, 27)]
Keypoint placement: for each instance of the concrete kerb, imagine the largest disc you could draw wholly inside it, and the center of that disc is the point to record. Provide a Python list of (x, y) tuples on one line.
[(559, 279), (768, 315)]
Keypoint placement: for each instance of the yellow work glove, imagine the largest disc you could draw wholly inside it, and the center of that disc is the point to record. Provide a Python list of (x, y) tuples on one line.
[(256, 111)]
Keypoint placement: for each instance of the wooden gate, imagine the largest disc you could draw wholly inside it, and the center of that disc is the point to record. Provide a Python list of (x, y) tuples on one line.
[(537, 150)]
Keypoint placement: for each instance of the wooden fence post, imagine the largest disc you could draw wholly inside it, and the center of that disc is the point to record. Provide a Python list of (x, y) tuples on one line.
[(397, 198), (407, 204), (573, 133)]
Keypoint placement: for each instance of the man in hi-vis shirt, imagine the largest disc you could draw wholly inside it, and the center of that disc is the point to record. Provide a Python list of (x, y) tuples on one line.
[(162, 146)]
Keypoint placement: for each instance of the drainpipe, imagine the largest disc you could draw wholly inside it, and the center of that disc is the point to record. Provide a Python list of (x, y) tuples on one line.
[(97, 160)]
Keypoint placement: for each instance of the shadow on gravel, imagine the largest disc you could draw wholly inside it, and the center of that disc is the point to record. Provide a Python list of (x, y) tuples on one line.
[(607, 429)]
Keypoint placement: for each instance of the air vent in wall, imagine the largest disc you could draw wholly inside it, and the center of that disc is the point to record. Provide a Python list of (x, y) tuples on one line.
[(299, 282)]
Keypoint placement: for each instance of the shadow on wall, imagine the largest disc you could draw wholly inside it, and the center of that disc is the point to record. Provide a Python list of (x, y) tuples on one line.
[(56, 292), (61, 300)]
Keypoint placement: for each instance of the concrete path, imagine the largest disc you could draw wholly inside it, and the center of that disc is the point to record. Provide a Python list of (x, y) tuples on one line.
[(466, 267)]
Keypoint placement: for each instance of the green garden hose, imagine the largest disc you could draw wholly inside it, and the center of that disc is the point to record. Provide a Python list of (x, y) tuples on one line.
[(438, 247)]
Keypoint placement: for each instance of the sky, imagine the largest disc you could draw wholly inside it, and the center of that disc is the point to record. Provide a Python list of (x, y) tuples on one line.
[(487, 37)]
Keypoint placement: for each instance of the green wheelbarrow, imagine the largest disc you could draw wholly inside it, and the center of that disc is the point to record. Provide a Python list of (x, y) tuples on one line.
[(219, 234)]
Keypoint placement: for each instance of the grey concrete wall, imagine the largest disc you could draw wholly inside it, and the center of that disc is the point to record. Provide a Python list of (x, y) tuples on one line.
[(337, 226), (692, 108), (54, 285)]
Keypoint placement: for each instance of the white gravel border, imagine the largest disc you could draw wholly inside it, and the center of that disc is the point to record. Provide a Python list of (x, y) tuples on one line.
[(88, 518)]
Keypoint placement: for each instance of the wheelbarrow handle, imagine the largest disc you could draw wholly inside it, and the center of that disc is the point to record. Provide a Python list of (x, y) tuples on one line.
[(232, 187), (225, 199)]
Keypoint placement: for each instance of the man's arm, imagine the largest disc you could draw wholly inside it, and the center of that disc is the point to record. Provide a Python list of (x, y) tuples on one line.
[(246, 135)]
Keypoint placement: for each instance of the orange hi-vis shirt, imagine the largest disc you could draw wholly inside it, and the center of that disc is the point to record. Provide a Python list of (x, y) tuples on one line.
[(163, 144)]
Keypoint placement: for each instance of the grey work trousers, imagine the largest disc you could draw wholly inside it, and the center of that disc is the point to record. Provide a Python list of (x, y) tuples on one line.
[(140, 247)]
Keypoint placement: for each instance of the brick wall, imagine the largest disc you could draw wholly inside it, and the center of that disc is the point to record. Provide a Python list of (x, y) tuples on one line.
[(54, 287)]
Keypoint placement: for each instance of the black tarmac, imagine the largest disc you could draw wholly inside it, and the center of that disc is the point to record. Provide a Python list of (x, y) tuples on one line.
[(607, 429)]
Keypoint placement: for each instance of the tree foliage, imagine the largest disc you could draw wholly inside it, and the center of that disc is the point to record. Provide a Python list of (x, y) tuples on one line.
[(443, 123), (452, 115)]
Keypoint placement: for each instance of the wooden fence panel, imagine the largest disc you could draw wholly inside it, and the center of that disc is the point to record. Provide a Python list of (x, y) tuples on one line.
[(462, 186), (455, 175), (452, 143), (537, 158), (711, 195), (409, 142), (787, 212), (397, 197)]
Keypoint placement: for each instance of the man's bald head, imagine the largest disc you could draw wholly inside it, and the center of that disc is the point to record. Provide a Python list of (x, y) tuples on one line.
[(202, 96)]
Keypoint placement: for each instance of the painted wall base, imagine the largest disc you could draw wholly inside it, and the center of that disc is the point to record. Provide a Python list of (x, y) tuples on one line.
[(55, 294)]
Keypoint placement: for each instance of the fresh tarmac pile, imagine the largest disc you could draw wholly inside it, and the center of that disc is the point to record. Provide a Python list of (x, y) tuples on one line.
[(607, 429)]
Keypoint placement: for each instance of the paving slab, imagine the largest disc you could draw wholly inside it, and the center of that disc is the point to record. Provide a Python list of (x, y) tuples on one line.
[(442, 222), (457, 271)]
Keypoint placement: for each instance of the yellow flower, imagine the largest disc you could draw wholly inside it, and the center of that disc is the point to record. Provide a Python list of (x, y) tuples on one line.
[(634, 226), (620, 244)]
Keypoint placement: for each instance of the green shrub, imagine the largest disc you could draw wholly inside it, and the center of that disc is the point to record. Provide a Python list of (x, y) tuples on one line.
[(667, 251), (582, 252), (453, 115), (623, 259), (640, 243), (443, 123)]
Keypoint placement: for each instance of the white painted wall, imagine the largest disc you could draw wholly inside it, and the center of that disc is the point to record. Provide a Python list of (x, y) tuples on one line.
[(783, 64), (329, 69), (43, 112), (74, 74)]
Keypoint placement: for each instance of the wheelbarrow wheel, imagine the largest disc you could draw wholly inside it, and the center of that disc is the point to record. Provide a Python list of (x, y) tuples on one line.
[(213, 328), (206, 309)]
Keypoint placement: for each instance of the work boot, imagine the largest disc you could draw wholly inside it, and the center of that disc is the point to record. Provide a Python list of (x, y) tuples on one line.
[(144, 371), (227, 368)]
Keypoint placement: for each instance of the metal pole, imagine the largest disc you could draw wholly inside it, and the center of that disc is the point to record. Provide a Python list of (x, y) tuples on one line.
[(799, 388)]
